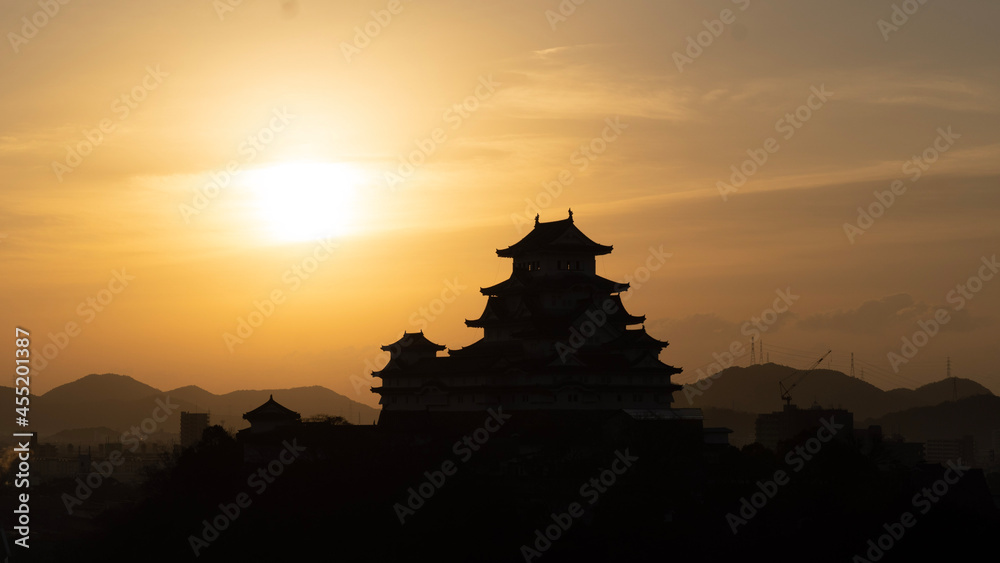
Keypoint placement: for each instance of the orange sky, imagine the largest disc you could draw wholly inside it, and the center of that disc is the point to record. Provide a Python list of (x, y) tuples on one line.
[(492, 102)]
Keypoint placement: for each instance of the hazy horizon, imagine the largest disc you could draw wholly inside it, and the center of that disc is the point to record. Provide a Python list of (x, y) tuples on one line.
[(707, 375)]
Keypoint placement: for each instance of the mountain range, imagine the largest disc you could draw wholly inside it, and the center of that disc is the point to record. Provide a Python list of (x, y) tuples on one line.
[(99, 407), (755, 389), (98, 403), (733, 397)]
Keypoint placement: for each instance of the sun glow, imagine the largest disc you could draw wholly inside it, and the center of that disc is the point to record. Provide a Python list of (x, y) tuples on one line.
[(303, 201)]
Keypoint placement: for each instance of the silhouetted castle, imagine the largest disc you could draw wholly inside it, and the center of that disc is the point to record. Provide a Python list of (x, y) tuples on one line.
[(557, 339)]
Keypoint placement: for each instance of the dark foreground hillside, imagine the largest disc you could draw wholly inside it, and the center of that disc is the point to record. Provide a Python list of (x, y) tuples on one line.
[(601, 493)]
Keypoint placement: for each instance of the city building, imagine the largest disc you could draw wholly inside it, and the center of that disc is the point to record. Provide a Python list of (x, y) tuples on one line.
[(943, 451), (780, 429), (888, 452), (193, 424)]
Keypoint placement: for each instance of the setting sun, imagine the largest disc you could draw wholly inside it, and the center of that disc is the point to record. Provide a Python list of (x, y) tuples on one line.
[(302, 201)]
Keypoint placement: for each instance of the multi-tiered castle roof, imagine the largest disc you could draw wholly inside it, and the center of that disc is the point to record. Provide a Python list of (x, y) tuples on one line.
[(556, 336)]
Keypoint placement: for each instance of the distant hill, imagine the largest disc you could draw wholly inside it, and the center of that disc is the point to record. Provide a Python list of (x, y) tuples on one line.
[(976, 416), (754, 389), (119, 402), (194, 395), (100, 387)]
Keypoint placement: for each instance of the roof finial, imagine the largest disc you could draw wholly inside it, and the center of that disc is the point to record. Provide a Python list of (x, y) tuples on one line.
[(536, 218), (570, 215)]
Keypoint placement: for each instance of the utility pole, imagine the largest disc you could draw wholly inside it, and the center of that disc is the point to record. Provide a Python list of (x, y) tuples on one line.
[(852, 364), (954, 382), (753, 353)]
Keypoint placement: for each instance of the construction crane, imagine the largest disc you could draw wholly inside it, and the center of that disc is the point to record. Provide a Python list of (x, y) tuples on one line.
[(786, 391)]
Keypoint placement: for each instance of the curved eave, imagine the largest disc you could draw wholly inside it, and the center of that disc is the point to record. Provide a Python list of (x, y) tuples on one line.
[(641, 338), (593, 250), (517, 283)]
